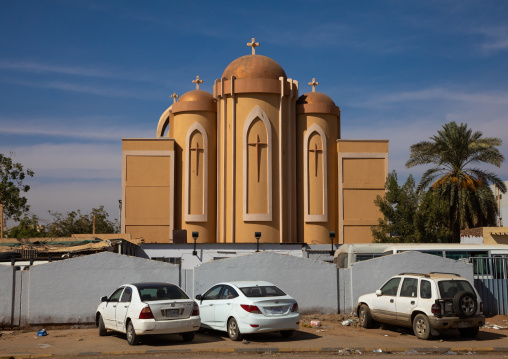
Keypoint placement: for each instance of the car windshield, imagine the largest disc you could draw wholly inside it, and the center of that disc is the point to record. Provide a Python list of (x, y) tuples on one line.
[(262, 291), (155, 291), (448, 288)]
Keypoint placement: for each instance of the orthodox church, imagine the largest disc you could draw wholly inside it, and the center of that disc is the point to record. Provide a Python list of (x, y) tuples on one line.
[(251, 161)]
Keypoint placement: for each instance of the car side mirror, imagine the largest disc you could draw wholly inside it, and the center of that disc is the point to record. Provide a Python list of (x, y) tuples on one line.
[(379, 292), (199, 297), (104, 299)]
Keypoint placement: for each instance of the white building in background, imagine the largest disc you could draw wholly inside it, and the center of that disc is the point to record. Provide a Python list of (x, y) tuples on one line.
[(502, 203)]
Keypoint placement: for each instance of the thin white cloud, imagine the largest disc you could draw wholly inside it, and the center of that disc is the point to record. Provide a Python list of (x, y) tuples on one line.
[(496, 38), (43, 127)]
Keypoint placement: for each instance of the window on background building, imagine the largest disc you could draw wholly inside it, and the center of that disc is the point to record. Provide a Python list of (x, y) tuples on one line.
[(172, 260)]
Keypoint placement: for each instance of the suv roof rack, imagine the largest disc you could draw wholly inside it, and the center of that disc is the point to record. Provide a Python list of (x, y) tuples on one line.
[(422, 274), (455, 274)]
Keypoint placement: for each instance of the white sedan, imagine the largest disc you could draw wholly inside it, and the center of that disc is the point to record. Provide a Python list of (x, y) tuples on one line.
[(148, 308), (248, 307)]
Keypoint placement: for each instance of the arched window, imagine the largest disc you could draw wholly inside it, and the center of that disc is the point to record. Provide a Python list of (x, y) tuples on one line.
[(196, 174), (257, 167), (315, 175)]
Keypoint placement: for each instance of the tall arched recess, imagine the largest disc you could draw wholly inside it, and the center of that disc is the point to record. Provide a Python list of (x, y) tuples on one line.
[(196, 178), (257, 167), (315, 182)]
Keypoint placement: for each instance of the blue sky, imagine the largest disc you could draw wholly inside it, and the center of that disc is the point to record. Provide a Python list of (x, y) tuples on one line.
[(78, 76)]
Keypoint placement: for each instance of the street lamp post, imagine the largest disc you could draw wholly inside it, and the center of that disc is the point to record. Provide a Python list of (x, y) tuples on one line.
[(332, 236), (195, 236), (258, 236)]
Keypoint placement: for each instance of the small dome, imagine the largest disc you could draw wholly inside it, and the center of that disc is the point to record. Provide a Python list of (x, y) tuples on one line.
[(195, 100), (315, 98), (196, 95), (254, 67)]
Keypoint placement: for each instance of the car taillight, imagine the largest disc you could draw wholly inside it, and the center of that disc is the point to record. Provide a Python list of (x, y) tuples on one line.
[(295, 307), (436, 309), (250, 308), (146, 313), (195, 310)]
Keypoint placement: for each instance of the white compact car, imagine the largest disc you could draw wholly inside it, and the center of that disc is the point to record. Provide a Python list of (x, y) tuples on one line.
[(148, 308), (426, 302), (248, 307)]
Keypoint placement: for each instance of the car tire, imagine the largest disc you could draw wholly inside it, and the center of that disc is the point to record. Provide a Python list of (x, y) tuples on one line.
[(421, 327), (102, 328), (287, 333), (469, 332), (233, 330), (132, 338), (465, 304), (188, 337), (365, 317)]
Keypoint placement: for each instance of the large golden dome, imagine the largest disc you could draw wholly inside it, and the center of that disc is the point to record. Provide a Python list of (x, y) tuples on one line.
[(254, 67)]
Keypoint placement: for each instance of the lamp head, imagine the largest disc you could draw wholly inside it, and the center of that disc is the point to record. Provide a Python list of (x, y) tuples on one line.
[(195, 234), (332, 234), (257, 234)]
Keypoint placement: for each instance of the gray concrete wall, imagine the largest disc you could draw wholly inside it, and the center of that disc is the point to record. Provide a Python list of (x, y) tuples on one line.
[(5, 295), (368, 276), (68, 291), (312, 283)]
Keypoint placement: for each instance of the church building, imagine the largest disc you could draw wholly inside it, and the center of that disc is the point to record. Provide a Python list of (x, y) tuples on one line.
[(254, 160)]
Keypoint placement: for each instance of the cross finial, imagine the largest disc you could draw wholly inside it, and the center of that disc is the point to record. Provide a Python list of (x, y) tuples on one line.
[(197, 81), (314, 83), (175, 96), (253, 44)]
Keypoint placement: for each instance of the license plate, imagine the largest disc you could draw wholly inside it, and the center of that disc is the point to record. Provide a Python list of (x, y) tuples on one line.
[(172, 312), (464, 324), (277, 310)]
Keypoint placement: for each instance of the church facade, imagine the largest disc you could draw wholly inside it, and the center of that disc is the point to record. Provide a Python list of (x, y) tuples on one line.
[(251, 161)]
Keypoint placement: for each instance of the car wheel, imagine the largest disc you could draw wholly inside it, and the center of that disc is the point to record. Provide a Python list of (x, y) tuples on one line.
[(365, 317), (465, 304), (469, 332), (233, 330), (287, 333), (188, 337), (132, 338), (421, 327), (102, 328)]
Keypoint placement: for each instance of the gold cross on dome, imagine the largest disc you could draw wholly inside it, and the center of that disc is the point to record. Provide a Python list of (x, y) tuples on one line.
[(197, 149), (175, 96), (253, 44), (256, 145), (316, 151), (197, 81), (313, 84)]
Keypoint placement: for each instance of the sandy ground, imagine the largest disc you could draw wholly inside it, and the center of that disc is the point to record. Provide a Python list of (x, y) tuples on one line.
[(330, 334)]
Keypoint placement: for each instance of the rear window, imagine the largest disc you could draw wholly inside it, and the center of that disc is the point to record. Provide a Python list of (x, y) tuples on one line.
[(154, 292), (262, 291), (448, 288)]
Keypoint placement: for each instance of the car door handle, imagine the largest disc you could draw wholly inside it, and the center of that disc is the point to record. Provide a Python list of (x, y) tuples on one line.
[(211, 304), (126, 306), (412, 302), (391, 300), (229, 303)]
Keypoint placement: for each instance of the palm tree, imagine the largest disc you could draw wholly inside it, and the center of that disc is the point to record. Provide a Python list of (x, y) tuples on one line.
[(466, 189)]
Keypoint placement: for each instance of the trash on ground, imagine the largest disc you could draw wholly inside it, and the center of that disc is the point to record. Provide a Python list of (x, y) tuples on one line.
[(42, 333), (315, 323), (245, 341), (378, 351), (349, 351)]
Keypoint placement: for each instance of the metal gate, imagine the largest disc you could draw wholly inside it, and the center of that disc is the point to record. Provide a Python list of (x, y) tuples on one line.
[(491, 282)]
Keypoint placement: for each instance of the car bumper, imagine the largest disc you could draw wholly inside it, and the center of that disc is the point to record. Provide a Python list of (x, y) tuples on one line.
[(260, 324), (150, 326), (457, 323)]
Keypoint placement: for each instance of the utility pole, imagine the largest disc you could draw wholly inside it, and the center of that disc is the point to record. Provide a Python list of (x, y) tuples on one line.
[(1, 220), (93, 225)]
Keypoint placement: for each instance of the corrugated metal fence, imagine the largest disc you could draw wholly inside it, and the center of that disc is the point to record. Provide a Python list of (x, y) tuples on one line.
[(491, 282)]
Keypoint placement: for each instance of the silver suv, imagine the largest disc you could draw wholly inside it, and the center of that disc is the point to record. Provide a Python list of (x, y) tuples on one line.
[(425, 302)]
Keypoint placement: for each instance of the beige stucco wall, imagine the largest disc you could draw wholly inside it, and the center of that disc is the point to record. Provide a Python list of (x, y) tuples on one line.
[(147, 194), (363, 167), (495, 235)]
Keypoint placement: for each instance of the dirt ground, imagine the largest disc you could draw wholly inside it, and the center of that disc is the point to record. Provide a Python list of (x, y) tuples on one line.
[(330, 334)]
